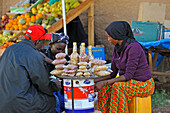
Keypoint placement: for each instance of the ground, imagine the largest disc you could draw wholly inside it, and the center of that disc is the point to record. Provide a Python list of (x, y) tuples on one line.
[(165, 86)]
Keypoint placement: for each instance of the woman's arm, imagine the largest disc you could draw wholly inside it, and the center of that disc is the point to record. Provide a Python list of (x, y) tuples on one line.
[(118, 79), (103, 78), (48, 60), (100, 84)]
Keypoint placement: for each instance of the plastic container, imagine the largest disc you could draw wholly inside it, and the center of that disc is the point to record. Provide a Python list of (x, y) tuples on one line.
[(83, 91), (146, 31), (167, 34), (140, 105)]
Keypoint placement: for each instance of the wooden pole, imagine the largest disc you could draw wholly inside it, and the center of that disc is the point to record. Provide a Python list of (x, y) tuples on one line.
[(91, 24), (155, 57), (150, 59)]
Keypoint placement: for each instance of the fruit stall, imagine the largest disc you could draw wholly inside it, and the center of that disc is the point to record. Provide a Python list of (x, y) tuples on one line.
[(13, 25)]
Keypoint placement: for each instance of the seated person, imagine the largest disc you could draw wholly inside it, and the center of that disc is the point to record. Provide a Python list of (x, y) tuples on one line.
[(56, 45), (129, 60)]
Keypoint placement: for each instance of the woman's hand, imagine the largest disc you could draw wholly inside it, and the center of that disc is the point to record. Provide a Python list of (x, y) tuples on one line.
[(99, 85), (58, 83)]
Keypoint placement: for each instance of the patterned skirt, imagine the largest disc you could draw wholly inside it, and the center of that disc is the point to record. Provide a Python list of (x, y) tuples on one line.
[(115, 98)]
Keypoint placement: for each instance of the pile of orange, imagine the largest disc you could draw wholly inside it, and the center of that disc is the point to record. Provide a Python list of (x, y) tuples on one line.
[(15, 25), (6, 44)]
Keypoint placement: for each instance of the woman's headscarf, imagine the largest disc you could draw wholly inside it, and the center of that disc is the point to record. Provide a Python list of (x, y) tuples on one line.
[(59, 38), (120, 30)]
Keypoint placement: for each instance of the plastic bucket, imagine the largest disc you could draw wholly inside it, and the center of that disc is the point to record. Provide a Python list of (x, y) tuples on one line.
[(83, 91)]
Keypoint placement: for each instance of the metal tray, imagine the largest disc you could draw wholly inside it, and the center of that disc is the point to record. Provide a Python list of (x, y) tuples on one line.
[(77, 77)]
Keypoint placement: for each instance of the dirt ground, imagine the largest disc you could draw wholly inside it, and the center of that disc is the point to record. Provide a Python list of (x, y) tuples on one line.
[(166, 86)]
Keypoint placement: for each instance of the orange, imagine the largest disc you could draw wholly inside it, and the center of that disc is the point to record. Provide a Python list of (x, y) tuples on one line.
[(11, 21), (16, 27), (7, 28), (10, 17), (6, 25), (24, 26), (37, 17), (20, 28), (33, 18), (27, 24), (27, 15), (19, 25), (15, 23), (9, 25), (11, 28), (22, 16), (18, 17), (28, 19), (15, 20), (39, 14)]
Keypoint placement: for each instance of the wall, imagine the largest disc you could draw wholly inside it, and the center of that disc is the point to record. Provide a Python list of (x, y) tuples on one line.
[(5, 5), (106, 11)]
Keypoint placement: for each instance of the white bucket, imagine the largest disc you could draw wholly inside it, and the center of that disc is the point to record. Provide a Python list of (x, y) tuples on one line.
[(83, 95)]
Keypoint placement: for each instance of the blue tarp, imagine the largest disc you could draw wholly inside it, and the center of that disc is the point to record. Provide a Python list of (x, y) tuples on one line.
[(163, 43)]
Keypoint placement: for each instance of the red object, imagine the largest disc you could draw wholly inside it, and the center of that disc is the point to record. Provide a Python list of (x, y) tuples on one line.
[(78, 93), (37, 32)]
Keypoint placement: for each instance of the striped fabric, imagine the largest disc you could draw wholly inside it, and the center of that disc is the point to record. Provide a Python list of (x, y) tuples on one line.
[(115, 98)]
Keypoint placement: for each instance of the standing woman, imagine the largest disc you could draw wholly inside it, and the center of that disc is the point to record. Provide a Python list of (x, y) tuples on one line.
[(129, 61)]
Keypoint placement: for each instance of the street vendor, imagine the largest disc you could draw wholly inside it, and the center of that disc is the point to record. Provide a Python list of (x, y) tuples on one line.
[(129, 61), (56, 45), (24, 81)]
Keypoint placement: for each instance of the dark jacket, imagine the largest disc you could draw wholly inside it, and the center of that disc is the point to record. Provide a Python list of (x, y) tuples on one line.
[(24, 82), (49, 54)]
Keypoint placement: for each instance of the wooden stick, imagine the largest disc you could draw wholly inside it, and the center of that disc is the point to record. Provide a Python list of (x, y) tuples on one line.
[(91, 25)]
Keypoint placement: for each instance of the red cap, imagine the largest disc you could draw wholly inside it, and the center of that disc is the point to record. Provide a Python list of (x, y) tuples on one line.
[(37, 32)]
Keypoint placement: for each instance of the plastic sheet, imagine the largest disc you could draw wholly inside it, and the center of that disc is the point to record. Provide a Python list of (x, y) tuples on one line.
[(163, 43)]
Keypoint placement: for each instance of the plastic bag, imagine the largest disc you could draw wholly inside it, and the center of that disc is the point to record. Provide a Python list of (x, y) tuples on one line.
[(82, 70), (86, 74), (71, 67), (96, 62), (56, 72), (100, 68), (60, 66), (102, 73), (61, 61), (82, 63), (79, 74), (60, 55)]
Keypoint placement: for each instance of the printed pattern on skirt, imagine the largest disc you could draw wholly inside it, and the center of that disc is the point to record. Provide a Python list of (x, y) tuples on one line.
[(115, 98)]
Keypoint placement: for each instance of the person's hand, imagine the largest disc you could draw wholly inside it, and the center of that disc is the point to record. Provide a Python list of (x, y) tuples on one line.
[(58, 83), (99, 85)]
